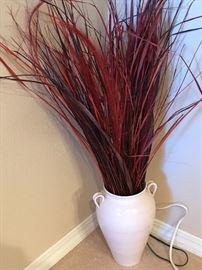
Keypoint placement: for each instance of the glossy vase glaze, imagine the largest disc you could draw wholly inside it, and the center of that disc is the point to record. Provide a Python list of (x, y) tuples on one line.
[(126, 222)]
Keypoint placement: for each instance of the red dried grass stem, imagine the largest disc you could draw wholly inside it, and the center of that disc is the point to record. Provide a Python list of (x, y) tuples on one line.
[(107, 86)]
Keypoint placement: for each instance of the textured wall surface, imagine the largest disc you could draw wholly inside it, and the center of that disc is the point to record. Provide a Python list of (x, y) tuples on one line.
[(46, 179), (178, 166)]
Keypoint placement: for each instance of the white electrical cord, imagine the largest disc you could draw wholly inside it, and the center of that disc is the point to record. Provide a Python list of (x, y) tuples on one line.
[(176, 229)]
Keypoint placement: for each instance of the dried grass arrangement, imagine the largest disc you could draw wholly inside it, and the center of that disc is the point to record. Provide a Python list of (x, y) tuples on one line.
[(110, 85)]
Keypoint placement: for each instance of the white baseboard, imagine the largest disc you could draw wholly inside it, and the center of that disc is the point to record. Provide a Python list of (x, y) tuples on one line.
[(183, 239), (63, 246), (162, 230)]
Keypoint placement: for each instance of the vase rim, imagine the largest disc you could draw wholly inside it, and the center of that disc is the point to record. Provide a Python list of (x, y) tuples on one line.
[(125, 196)]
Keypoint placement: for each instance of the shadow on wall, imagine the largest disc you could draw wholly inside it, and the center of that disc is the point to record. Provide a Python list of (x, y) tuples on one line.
[(163, 195), (155, 173), (86, 169), (88, 186), (12, 258)]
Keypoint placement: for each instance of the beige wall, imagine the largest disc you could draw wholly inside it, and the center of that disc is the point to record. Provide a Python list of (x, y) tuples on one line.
[(46, 180)]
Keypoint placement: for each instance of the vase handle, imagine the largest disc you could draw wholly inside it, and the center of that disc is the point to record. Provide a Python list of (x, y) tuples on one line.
[(152, 187), (98, 198)]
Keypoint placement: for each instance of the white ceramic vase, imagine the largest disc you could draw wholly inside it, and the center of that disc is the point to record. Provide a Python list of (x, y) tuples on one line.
[(126, 222)]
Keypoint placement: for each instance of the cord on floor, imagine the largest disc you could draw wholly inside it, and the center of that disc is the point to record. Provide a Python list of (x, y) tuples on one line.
[(175, 248), (171, 247)]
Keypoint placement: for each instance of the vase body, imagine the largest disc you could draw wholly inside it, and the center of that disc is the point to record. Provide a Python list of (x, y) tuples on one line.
[(126, 222)]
